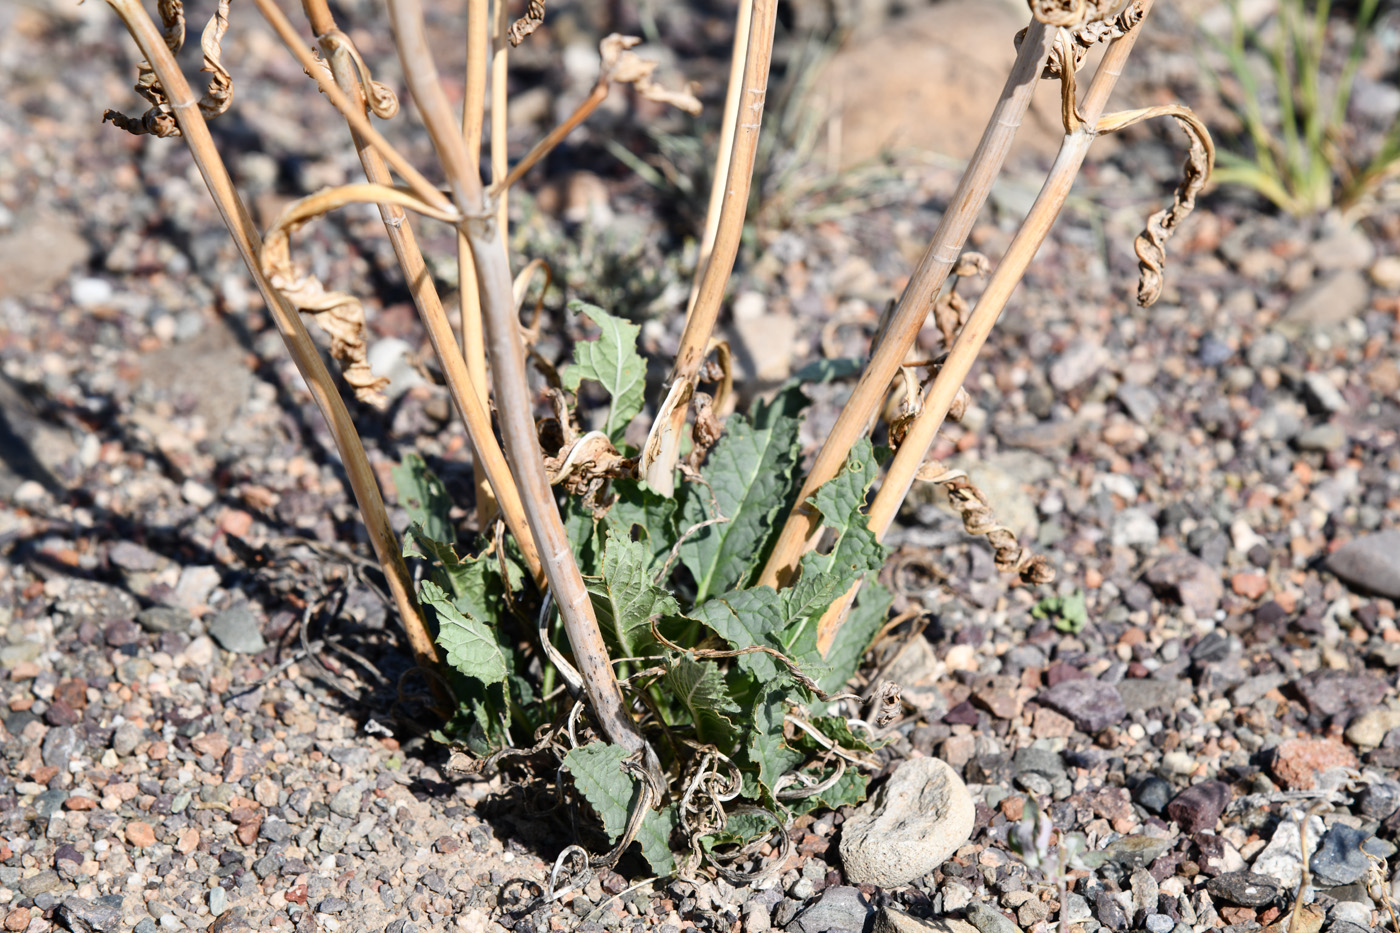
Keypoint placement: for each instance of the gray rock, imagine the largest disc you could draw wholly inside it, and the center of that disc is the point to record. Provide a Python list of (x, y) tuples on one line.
[(1189, 580), (236, 629), (841, 909), (218, 900), (1322, 438), (1141, 694), (103, 915), (1282, 858), (1159, 923), (1351, 912), (909, 826), (1269, 350), (1341, 858), (1134, 528), (161, 619), (1079, 363), (1328, 302), (990, 920), (125, 739), (1140, 402), (1092, 704), (98, 603), (1153, 794), (1041, 761), (61, 746), (1243, 888), (346, 802), (44, 882), (1371, 562), (1345, 248)]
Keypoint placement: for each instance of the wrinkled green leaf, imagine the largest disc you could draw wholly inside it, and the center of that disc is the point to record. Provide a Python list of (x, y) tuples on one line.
[(425, 498), (585, 536), (848, 790), (474, 583), (613, 362), (640, 506), (768, 751), (751, 473), (654, 837), (470, 645), (598, 775), (624, 597), (739, 828), (609, 790), (748, 617), (700, 688), (1067, 613)]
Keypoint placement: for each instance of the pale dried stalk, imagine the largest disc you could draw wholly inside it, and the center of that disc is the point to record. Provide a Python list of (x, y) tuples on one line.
[(914, 304), (662, 447), (924, 428), (500, 129), (488, 461), (353, 114), (737, 59), (469, 294), (299, 343), (513, 397)]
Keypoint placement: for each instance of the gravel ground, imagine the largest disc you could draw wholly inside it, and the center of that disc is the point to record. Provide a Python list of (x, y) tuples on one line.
[(202, 724)]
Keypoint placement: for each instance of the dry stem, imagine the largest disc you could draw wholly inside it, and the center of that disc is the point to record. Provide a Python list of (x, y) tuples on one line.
[(487, 457), (513, 396), (913, 307), (299, 344), (1032, 233), (662, 447)]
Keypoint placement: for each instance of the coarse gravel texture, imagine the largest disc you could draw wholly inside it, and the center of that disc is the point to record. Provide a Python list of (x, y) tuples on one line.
[(200, 685)]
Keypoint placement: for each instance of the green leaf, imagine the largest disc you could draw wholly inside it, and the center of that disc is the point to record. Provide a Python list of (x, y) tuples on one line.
[(474, 583), (598, 775), (640, 506), (610, 791), (751, 473), (1067, 613), (700, 687), (655, 839), (612, 361), (745, 618), (624, 597), (767, 749), (584, 535), (853, 639), (848, 790), (425, 498), (470, 645)]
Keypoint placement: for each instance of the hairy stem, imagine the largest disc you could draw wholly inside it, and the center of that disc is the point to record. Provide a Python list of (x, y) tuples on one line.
[(303, 350), (1007, 276), (914, 304)]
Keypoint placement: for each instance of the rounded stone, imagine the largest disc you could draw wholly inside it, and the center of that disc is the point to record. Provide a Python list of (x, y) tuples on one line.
[(909, 826)]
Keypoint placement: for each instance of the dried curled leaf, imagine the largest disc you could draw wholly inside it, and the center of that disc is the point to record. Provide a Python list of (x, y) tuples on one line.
[(1072, 13), (978, 519), (157, 120), (913, 401), (590, 458), (1086, 25), (219, 94), (1150, 245), (532, 20), (345, 59), (950, 309), (629, 68)]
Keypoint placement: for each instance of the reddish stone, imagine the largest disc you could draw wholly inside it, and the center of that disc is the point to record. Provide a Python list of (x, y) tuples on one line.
[(213, 744), (1297, 761), (79, 802), (141, 835), (1250, 585)]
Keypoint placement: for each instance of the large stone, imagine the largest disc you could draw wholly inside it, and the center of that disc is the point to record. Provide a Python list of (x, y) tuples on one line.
[(913, 86), (838, 910), (893, 920), (1092, 704), (1199, 807), (236, 629), (32, 449), (1189, 580), (909, 826), (39, 252), (1371, 562), (1326, 303)]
